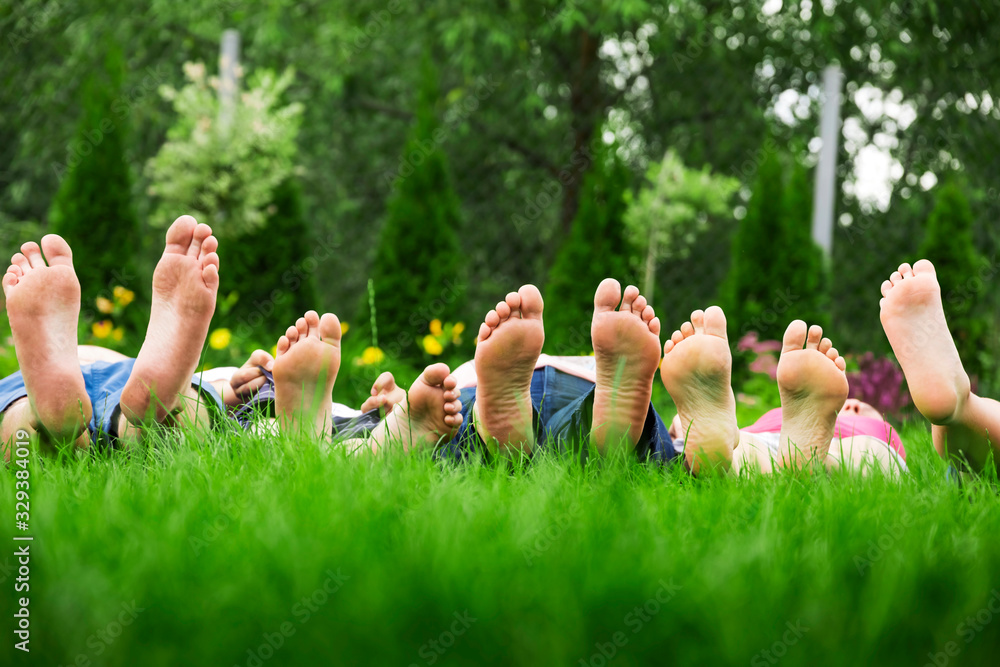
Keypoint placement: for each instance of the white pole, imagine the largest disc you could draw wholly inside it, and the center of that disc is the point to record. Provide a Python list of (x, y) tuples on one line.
[(229, 61), (824, 200)]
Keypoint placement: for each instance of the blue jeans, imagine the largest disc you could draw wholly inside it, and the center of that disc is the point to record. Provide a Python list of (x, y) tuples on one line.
[(104, 382), (563, 407)]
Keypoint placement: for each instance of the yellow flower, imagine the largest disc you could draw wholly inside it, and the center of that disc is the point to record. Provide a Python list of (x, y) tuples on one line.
[(436, 327), (432, 346), (118, 333), (123, 296), (457, 330), (102, 329), (219, 339), (104, 305), (274, 350), (344, 328), (371, 355)]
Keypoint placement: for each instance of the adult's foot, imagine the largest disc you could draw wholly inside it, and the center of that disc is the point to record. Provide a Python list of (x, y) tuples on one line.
[(813, 388), (43, 303), (185, 283), (305, 370), (510, 340), (912, 315), (697, 372), (627, 349), (430, 414)]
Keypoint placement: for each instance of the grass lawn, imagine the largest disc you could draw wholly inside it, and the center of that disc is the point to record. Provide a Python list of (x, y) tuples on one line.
[(245, 551)]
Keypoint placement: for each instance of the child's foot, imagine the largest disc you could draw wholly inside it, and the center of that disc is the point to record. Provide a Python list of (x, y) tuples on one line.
[(697, 372), (185, 282), (813, 388), (385, 394), (627, 350), (430, 414), (305, 370), (510, 340), (43, 303), (913, 318)]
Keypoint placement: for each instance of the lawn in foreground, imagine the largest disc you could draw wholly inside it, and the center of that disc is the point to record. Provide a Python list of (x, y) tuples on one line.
[(246, 551)]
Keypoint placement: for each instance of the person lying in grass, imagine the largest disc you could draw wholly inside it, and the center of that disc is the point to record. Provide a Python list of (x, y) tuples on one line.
[(817, 423), (964, 425), (58, 398)]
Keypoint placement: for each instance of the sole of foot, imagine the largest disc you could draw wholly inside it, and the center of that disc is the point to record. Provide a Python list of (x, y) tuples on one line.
[(626, 340), (813, 388), (43, 303), (185, 283), (697, 372), (430, 415), (510, 340), (305, 370), (912, 315)]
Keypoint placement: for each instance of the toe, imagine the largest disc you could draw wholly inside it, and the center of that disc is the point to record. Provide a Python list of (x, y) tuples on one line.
[(841, 363), (21, 262), (687, 329), (513, 299), (832, 353), (9, 280), (608, 295), (698, 321), (330, 330), (492, 320), (923, 266), (676, 337), (312, 323), (531, 302), (210, 273), (647, 314), (34, 254), (825, 345), (435, 374), (886, 286), (450, 384), (283, 345), (654, 326), (292, 334), (302, 327), (503, 310), (179, 235), (210, 259), (795, 336), (905, 270), (815, 336), (669, 345), (57, 251), (201, 232), (485, 330), (639, 305), (715, 322), (895, 278), (211, 244), (630, 295)]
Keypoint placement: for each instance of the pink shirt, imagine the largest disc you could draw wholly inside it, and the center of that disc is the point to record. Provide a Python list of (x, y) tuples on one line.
[(847, 426)]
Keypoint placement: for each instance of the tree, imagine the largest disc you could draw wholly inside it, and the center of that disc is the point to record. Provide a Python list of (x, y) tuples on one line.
[(93, 208), (949, 245), (777, 272), (672, 210), (418, 264), (596, 249)]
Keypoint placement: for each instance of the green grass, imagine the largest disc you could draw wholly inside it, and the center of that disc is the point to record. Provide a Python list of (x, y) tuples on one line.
[(218, 540)]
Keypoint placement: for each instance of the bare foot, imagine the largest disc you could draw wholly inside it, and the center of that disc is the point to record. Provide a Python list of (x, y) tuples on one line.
[(430, 415), (510, 340), (627, 350), (385, 394), (305, 370), (185, 282), (697, 372), (813, 388), (43, 302), (913, 318)]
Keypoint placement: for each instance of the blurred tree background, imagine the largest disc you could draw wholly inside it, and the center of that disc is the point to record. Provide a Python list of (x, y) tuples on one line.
[(529, 93)]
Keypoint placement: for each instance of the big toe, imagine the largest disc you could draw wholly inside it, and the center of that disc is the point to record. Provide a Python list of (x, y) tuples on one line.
[(795, 336), (57, 251), (531, 302), (329, 328), (608, 295), (435, 374), (923, 266), (715, 322), (180, 233)]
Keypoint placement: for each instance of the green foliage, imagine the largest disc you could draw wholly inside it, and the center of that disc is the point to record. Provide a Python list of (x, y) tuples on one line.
[(418, 265), (777, 273), (949, 245), (271, 270), (93, 208), (672, 211), (224, 174), (596, 249)]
